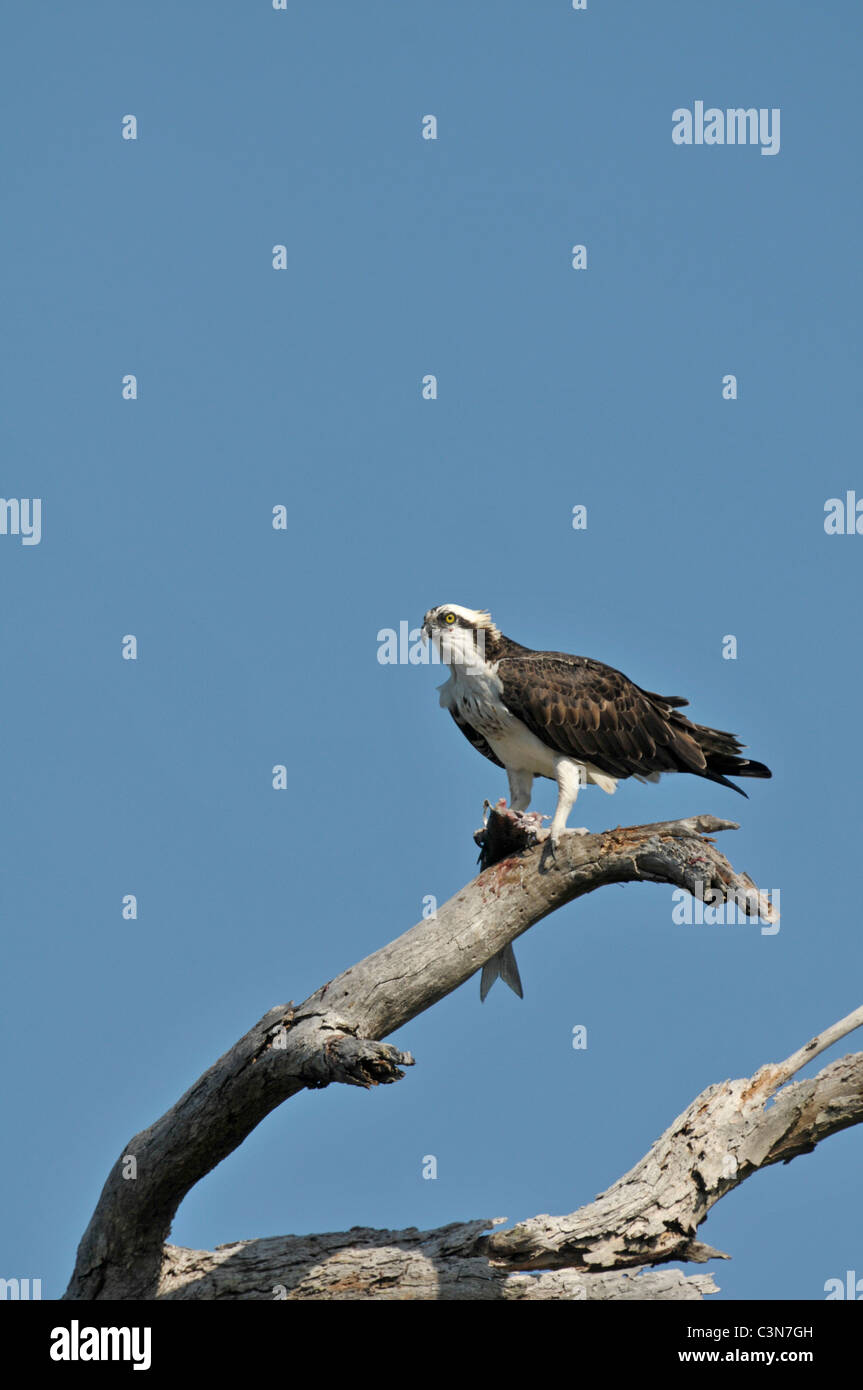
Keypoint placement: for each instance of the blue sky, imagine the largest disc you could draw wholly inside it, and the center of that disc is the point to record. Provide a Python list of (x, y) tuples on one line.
[(303, 388)]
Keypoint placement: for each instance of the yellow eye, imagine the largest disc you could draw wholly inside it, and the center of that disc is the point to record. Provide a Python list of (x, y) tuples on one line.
[(449, 618)]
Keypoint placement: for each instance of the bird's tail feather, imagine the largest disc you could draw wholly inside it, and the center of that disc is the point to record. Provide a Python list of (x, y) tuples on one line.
[(723, 756), (738, 767), (501, 967), (718, 765)]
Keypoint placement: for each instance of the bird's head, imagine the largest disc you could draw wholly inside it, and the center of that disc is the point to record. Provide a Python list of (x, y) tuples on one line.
[(462, 635)]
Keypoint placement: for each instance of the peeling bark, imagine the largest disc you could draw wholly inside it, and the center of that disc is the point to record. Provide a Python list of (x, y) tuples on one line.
[(335, 1036), (393, 1265), (649, 1216)]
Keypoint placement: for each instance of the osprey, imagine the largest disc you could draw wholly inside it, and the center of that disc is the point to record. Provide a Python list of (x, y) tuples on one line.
[(568, 718)]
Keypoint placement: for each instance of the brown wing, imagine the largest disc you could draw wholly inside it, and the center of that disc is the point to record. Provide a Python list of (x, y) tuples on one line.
[(594, 713)]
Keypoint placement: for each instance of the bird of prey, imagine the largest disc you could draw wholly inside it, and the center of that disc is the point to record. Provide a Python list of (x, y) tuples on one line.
[(568, 718)]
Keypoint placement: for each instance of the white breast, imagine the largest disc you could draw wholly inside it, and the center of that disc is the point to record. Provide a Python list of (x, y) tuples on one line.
[(475, 694)]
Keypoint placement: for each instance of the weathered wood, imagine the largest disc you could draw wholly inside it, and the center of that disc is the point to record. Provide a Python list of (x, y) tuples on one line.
[(652, 1213), (649, 1216), (394, 1265), (335, 1034)]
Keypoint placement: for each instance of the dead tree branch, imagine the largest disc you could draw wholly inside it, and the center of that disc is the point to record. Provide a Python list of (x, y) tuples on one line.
[(649, 1216), (335, 1035), (729, 1132)]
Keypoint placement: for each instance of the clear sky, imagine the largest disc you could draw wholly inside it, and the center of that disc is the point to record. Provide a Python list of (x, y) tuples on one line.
[(303, 388)]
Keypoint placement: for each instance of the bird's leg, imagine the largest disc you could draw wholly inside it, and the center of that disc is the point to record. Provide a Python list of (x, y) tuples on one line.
[(569, 778), (520, 787)]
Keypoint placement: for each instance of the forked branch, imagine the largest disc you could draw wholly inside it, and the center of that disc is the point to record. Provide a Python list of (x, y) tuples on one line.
[(649, 1216), (336, 1034)]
